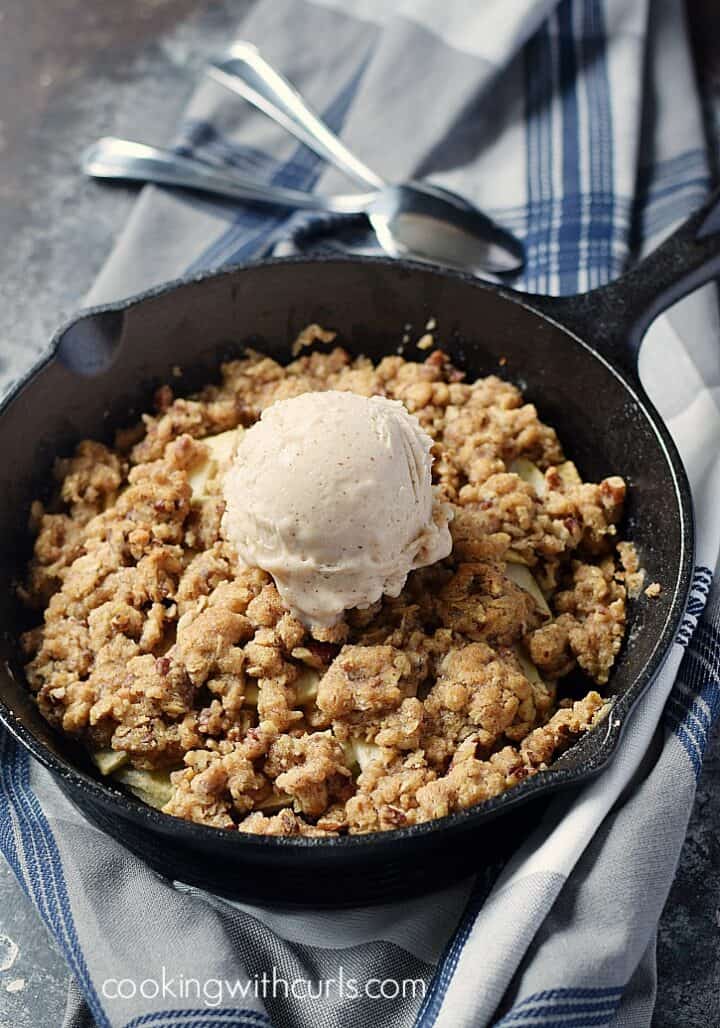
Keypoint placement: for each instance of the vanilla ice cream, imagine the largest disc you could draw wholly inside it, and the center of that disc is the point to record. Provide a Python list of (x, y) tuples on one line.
[(331, 494)]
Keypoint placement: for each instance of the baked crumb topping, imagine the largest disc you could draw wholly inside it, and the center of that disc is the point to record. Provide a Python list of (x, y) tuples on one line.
[(163, 657)]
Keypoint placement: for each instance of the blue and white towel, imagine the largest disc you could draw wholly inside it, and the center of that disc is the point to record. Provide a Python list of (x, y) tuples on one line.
[(576, 123)]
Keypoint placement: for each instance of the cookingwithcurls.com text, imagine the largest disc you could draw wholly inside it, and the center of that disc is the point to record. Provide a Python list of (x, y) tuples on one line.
[(272, 984)]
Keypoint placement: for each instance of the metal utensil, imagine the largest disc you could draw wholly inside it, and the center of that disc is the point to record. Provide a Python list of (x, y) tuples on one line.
[(411, 219), (387, 209), (116, 158)]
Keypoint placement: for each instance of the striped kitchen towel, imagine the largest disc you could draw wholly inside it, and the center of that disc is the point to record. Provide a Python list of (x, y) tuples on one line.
[(576, 124)]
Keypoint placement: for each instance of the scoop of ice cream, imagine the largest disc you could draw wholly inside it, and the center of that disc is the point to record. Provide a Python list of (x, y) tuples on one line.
[(331, 494)]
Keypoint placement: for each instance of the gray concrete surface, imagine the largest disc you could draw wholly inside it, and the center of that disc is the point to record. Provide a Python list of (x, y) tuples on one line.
[(76, 69)]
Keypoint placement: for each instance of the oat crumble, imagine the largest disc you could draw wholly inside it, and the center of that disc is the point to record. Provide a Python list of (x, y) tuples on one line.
[(156, 650)]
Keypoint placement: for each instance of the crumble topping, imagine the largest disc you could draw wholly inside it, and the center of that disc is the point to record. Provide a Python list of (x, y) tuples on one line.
[(157, 647)]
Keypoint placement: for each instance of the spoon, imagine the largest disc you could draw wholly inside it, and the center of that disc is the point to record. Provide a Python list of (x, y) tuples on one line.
[(412, 219), (390, 210), (115, 158)]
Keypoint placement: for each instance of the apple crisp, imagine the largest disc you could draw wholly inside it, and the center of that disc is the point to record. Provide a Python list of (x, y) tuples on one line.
[(190, 683)]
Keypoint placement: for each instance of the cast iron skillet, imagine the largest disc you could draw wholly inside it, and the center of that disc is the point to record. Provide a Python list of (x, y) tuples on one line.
[(575, 358)]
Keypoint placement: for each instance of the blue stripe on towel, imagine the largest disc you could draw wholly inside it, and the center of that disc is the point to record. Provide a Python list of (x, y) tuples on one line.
[(605, 248), (35, 858), (9, 821), (430, 1007), (693, 707), (540, 213), (586, 1021), (570, 225), (699, 591), (226, 1017), (575, 231), (578, 1007), (201, 139)]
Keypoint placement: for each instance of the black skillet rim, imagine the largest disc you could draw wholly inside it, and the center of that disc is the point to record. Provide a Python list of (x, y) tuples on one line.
[(547, 783)]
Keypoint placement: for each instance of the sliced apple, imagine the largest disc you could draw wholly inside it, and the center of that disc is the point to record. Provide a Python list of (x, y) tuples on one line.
[(152, 787), (359, 753), (306, 686), (530, 473), (108, 761), (513, 557), (220, 450), (522, 576), (529, 670)]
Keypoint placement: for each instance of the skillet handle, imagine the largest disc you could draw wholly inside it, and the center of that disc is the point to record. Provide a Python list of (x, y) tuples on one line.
[(615, 317)]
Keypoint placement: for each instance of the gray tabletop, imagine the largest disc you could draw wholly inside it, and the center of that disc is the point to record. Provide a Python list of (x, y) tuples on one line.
[(70, 72)]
